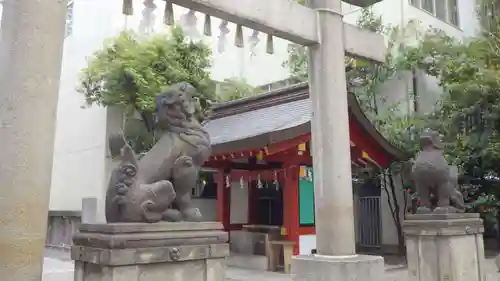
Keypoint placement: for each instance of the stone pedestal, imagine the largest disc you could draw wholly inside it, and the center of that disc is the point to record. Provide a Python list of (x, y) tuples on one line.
[(150, 252), (445, 247), (338, 268)]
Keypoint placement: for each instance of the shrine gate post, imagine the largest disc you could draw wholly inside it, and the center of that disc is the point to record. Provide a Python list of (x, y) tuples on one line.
[(32, 36)]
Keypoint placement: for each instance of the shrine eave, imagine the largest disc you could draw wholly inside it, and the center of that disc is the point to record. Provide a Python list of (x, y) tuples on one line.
[(281, 115)]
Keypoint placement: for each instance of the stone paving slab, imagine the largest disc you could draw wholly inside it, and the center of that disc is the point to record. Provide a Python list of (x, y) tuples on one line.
[(58, 270)]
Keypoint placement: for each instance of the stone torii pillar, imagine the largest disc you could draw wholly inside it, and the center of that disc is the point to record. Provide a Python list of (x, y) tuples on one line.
[(30, 63), (320, 27)]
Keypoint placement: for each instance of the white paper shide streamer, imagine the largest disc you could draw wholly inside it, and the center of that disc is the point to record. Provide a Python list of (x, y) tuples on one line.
[(188, 23), (147, 23)]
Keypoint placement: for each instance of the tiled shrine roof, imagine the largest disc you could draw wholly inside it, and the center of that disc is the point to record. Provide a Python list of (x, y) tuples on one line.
[(273, 117)]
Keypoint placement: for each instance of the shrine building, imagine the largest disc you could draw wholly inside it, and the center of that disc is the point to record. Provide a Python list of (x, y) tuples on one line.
[(263, 172)]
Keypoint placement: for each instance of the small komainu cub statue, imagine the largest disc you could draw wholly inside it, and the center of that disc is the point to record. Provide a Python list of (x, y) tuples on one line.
[(432, 176), (157, 187)]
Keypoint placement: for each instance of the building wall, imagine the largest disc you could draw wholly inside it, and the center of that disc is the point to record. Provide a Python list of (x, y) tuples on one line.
[(79, 147)]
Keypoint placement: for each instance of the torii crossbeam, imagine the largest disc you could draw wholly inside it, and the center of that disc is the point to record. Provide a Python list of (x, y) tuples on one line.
[(291, 21), (321, 28)]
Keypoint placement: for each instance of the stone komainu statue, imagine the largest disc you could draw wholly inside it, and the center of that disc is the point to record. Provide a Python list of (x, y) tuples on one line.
[(158, 186), (431, 175)]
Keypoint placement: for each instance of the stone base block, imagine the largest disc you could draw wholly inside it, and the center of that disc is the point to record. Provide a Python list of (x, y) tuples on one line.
[(331, 268), (445, 247), (150, 252), (199, 270)]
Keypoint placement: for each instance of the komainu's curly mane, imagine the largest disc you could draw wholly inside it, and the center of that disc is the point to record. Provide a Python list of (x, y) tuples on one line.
[(176, 113)]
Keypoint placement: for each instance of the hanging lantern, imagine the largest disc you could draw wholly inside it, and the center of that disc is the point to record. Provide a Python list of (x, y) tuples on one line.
[(238, 39), (128, 7), (221, 44), (302, 147), (302, 171), (269, 45), (168, 14), (260, 156), (253, 40), (207, 26)]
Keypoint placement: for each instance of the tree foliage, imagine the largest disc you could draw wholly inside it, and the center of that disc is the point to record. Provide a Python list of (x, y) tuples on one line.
[(365, 78), (131, 70), (468, 113)]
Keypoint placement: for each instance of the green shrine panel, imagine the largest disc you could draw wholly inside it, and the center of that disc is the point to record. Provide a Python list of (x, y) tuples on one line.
[(306, 197)]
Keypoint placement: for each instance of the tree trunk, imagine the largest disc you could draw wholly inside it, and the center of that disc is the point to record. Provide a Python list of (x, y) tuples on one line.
[(397, 217), (394, 207)]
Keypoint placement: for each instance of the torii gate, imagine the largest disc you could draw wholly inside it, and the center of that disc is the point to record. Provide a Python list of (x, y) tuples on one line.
[(321, 28), (30, 60)]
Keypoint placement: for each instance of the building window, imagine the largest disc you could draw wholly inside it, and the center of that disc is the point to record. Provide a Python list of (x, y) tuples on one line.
[(441, 10), (69, 18), (445, 10), (453, 12), (428, 5)]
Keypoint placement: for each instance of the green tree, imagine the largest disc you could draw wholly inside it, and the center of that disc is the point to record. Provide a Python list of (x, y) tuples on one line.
[(131, 70), (468, 114)]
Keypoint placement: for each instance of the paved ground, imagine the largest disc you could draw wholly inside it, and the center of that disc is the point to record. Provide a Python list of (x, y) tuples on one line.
[(62, 270)]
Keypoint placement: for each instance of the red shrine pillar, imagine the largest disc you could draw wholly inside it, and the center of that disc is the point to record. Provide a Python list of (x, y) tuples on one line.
[(291, 205), (223, 199)]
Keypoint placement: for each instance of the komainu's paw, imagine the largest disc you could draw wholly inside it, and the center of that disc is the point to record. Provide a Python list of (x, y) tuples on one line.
[(172, 215), (447, 209), (192, 214), (423, 210), (150, 217), (161, 193)]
